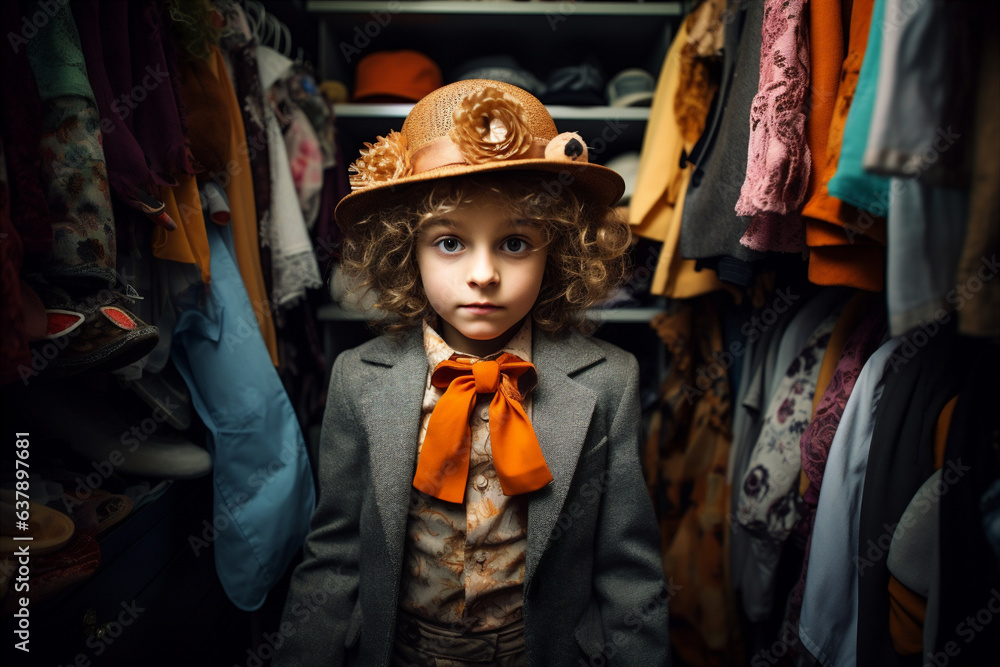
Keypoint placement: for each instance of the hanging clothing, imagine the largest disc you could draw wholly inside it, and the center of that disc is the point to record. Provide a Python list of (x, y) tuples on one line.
[(930, 222), (901, 457), (860, 330), (700, 55), (828, 621), (779, 345), (14, 352), (826, 55), (914, 561), (846, 246), (305, 157), (864, 338), (293, 262), (657, 203), (851, 183), (685, 462), (969, 574), (778, 160), (264, 494), (710, 229), (768, 504), (978, 290), (926, 75), (189, 242), (22, 134), (238, 183), (126, 48), (74, 171), (859, 305), (240, 43)]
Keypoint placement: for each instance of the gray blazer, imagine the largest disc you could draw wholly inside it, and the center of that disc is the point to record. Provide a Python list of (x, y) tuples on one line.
[(593, 578)]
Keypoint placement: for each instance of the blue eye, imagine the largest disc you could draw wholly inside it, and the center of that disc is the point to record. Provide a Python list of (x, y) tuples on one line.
[(515, 245), (448, 245)]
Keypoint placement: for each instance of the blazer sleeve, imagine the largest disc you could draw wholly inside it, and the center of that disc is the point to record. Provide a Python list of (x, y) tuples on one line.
[(628, 569), (324, 587)]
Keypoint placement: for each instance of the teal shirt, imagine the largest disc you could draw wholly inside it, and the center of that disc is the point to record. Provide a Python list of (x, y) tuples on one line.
[(851, 183)]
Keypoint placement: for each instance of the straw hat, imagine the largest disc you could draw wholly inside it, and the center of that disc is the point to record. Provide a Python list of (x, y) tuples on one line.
[(471, 127)]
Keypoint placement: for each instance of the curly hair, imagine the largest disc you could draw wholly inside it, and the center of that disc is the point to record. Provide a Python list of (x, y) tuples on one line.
[(587, 248)]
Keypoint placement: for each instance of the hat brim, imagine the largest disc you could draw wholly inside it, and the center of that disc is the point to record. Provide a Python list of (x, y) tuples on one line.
[(592, 183)]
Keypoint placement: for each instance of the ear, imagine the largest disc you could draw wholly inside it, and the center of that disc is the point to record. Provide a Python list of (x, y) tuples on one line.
[(567, 147)]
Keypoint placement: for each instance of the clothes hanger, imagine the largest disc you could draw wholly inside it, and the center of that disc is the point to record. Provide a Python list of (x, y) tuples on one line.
[(255, 12)]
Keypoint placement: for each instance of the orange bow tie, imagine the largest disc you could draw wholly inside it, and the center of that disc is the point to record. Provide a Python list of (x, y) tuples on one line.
[(443, 467)]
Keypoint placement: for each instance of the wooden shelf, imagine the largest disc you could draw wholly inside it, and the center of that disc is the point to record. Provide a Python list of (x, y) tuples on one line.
[(332, 312), (567, 7), (558, 112), (609, 131), (542, 36)]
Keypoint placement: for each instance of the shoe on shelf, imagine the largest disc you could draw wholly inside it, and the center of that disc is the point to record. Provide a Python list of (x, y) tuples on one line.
[(94, 334)]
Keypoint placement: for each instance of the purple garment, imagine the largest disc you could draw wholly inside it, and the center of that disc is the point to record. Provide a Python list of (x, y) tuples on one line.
[(158, 124), (128, 171), (818, 436), (22, 133), (14, 352), (144, 138)]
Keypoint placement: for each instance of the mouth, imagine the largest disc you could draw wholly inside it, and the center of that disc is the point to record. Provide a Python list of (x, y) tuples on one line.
[(480, 308)]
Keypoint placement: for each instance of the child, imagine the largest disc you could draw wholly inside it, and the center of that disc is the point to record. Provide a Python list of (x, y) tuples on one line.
[(481, 497)]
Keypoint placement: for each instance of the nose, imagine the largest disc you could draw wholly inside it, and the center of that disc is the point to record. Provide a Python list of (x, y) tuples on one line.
[(482, 269)]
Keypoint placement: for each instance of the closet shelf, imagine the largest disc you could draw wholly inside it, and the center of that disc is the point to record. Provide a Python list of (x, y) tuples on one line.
[(499, 7), (558, 112), (332, 312)]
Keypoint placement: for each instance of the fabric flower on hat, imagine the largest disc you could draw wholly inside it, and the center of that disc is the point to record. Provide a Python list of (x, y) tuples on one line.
[(385, 161), (488, 126)]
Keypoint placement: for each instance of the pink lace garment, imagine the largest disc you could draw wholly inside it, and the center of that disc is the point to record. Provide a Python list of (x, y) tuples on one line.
[(778, 160)]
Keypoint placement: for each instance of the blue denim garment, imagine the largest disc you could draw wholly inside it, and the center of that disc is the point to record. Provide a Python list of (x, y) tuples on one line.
[(264, 495)]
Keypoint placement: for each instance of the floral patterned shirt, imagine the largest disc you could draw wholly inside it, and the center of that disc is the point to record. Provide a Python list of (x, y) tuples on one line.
[(464, 562)]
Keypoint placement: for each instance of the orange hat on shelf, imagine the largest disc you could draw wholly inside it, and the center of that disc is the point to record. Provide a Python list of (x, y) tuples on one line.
[(395, 76)]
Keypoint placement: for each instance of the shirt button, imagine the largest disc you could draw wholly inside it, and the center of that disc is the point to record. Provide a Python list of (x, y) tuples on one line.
[(481, 482), (484, 414)]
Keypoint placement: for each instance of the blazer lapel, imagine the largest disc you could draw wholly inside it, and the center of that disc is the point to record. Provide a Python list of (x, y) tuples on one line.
[(561, 410), (391, 418)]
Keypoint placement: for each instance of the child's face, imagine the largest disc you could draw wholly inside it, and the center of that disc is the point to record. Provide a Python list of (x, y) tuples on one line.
[(481, 270)]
